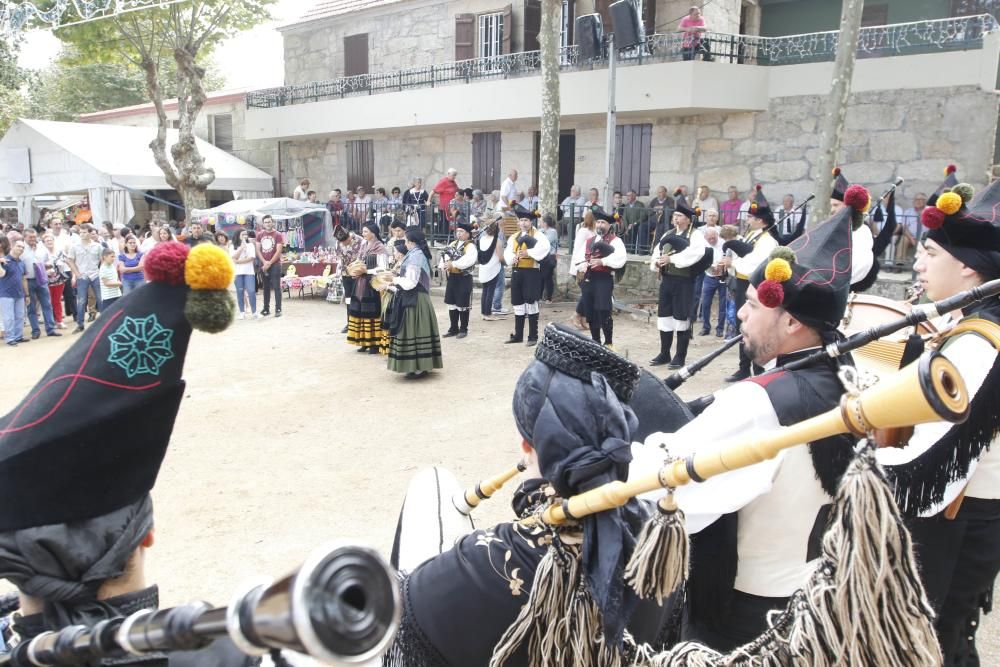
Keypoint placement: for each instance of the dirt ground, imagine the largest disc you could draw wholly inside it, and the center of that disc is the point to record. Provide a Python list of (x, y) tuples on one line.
[(288, 438)]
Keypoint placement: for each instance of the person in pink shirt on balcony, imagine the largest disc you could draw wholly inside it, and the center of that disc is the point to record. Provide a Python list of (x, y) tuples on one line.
[(693, 26)]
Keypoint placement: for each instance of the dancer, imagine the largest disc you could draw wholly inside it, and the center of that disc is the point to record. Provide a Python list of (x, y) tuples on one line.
[(364, 325), (347, 250), (415, 346)]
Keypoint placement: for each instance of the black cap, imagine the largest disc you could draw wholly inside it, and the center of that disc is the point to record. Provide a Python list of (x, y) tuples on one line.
[(840, 185), (522, 212), (950, 181), (573, 354), (760, 208), (967, 227), (467, 226), (90, 436)]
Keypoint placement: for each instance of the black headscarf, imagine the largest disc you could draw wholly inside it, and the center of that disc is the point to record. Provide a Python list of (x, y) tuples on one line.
[(581, 433), (64, 564)]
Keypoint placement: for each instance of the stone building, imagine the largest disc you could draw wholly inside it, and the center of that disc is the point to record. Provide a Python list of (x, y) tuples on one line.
[(377, 92)]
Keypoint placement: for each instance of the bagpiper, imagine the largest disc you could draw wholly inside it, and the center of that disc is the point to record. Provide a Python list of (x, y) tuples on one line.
[(459, 261), (524, 252), (604, 253)]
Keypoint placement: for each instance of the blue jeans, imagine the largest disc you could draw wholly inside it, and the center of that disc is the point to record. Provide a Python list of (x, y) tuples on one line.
[(708, 289), (82, 285), (131, 285), (498, 295), (246, 284), (12, 312), (39, 294)]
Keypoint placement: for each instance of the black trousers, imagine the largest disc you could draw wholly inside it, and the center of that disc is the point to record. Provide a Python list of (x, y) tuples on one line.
[(272, 280), (958, 561), (489, 289), (548, 268)]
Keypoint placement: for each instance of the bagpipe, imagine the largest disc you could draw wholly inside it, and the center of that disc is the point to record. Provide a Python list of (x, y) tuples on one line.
[(342, 606), (598, 249), (671, 244), (862, 604)]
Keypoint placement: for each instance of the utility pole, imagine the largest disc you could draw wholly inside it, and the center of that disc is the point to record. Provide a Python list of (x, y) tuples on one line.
[(609, 162), (836, 110), (548, 158)]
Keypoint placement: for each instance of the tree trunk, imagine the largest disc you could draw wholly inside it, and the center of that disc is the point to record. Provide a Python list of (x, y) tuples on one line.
[(195, 177), (836, 110), (548, 159)]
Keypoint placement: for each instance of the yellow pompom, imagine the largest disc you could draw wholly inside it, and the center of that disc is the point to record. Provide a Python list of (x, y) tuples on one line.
[(208, 267), (949, 203), (778, 270)]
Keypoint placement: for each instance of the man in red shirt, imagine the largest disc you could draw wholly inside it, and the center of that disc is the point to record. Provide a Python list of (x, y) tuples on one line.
[(269, 244), (445, 190)]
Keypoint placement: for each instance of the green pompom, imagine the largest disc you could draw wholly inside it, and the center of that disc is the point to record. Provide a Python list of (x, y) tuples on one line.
[(965, 191), (211, 311), (783, 252)]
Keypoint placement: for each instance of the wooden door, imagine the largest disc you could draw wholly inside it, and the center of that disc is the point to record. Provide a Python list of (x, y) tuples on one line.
[(486, 174), (361, 164), (356, 54)]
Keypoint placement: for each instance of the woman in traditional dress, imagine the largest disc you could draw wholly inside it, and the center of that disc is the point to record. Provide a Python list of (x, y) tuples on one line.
[(577, 265), (415, 347), (397, 248), (364, 313)]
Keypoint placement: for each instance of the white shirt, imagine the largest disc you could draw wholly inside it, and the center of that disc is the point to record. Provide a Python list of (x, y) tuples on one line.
[(490, 269), (466, 261), (300, 194), (791, 220), (763, 246), (862, 258), (579, 249), (615, 260), (246, 250), (538, 253), (508, 191), (717, 254), (147, 244), (573, 206), (778, 500), (974, 357), (685, 258)]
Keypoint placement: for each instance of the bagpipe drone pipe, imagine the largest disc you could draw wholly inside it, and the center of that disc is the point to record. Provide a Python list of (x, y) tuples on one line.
[(342, 607)]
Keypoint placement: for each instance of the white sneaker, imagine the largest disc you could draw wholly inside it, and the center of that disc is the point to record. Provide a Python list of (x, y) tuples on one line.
[(256, 316), (240, 316)]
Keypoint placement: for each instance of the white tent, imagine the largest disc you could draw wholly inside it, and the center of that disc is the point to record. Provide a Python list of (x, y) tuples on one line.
[(41, 157), (279, 208)]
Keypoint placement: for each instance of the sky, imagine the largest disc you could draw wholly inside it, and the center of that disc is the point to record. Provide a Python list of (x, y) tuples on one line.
[(252, 59)]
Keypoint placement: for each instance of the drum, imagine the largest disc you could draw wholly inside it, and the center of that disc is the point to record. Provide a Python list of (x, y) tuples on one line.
[(865, 311)]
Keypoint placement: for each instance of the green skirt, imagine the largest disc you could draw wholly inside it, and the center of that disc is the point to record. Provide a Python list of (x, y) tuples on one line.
[(417, 345)]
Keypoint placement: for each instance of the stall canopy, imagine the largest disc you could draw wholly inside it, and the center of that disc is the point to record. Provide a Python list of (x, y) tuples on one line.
[(316, 221), (41, 157)]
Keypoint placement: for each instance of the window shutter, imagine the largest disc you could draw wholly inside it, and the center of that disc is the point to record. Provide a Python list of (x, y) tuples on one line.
[(508, 27), (356, 54), (532, 24), (222, 131), (465, 36)]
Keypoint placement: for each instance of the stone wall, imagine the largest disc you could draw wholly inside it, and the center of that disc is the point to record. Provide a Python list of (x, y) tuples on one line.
[(907, 133)]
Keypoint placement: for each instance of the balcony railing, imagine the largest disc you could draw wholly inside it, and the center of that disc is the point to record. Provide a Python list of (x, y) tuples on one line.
[(898, 39)]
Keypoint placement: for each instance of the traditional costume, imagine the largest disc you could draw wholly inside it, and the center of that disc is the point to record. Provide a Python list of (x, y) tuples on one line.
[(79, 455), (757, 529), (950, 473), (364, 313), (676, 298), (347, 250), (598, 284), (415, 346), (458, 288), (751, 252), (865, 248), (570, 405), (526, 277)]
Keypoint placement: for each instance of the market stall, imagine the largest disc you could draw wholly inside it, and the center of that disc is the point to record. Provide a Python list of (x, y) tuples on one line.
[(304, 225)]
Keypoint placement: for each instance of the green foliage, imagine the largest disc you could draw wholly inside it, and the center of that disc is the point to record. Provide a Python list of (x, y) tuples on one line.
[(66, 89), (13, 80)]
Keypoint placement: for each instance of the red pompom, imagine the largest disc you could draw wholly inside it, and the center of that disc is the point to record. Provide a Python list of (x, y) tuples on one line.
[(932, 217), (759, 187), (770, 293), (857, 198), (165, 263), (836, 171), (950, 169)]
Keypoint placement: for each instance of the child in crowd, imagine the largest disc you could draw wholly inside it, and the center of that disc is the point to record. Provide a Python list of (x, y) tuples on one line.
[(111, 284)]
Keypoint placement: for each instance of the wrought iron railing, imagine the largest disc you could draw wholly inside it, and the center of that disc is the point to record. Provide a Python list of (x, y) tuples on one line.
[(898, 39)]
